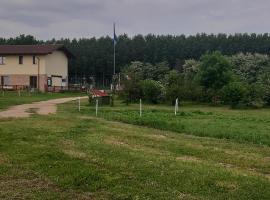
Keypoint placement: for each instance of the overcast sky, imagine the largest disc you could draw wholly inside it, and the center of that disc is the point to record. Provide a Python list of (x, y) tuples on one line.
[(46, 19)]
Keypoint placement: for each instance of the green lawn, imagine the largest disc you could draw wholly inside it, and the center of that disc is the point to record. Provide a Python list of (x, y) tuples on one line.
[(8, 99), (74, 155), (251, 126)]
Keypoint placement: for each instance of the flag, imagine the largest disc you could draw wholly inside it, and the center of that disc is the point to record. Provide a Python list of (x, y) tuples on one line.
[(115, 39)]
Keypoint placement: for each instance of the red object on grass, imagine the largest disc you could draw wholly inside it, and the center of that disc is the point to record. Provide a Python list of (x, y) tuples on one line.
[(99, 93)]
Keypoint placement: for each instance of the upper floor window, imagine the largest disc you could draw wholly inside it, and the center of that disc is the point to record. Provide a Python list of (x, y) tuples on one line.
[(2, 60), (20, 60), (34, 60)]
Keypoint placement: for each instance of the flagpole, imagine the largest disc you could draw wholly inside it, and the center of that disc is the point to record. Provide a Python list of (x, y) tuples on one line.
[(114, 51)]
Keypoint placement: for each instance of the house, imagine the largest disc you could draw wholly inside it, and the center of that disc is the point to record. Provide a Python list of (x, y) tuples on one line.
[(34, 66)]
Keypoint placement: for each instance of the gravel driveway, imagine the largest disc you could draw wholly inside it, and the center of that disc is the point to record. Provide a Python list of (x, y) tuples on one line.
[(41, 108)]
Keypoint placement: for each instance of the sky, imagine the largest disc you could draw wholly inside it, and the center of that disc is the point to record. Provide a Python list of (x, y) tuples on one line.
[(47, 19)]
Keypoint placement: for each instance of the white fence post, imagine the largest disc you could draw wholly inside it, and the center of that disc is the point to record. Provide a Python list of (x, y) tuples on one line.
[(79, 104), (96, 107), (176, 107), (140, 107)]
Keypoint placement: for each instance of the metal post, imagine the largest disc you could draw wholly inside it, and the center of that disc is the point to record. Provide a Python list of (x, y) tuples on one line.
[(114, 59), (114, 51)]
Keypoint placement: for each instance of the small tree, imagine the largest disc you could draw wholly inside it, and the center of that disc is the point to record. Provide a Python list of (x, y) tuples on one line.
[(214, 72), (235, 93), (152, 91)]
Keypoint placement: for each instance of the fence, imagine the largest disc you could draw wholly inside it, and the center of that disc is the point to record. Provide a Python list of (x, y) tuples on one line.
[(14, 87), (70, 88)]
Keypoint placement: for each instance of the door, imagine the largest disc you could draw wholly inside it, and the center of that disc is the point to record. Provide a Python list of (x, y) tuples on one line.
[(33, 81)]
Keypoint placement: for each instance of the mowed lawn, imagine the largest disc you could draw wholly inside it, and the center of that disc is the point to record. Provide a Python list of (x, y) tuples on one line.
[(247, 125), (10, 98), (74, 155)]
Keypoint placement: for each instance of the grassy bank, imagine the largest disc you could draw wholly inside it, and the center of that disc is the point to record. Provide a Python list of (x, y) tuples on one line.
[(12, 98), (73, 155)]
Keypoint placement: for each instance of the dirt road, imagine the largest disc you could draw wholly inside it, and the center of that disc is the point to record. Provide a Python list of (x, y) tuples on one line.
[(41, 108)]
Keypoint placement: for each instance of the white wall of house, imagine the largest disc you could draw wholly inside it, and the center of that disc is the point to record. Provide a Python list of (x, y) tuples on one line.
[(54, 66), (57, 68), (12, 66)]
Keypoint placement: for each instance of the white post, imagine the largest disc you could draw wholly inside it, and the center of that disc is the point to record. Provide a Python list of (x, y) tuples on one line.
[(96, 107), (79, 104), (140, 107), (19, 92), (176, 107)]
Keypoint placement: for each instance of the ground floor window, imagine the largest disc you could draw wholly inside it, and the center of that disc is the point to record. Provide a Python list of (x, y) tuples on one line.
[(49, 81), (5, 80)]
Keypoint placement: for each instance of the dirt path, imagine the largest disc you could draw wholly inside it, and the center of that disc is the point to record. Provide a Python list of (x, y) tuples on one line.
[(41, 108)]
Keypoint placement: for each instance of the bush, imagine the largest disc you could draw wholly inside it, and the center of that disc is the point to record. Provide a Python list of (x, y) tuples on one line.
[(235, 93), (255, 96), (152, 91), (266, 94)]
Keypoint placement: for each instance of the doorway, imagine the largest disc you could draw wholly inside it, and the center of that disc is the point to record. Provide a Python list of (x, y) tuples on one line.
[(33, 82)]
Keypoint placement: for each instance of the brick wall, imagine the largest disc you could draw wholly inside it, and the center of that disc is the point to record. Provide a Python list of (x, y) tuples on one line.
[(25, 80)]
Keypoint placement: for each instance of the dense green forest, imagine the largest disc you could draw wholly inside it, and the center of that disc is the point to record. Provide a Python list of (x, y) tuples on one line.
[(95, 55)]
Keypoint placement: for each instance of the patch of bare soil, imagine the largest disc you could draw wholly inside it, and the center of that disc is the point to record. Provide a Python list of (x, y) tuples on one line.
[(3, 159), (227, 185), (34, 187), (188, 159), (69, 148)]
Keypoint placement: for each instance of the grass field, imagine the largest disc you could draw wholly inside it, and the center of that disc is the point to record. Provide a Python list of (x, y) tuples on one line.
[(218, 122), (12, 98), (75, 155)]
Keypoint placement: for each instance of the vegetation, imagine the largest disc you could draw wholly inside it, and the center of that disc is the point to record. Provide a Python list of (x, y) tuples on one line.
[(95, 55), (239, 80), (201, 120), (73, 155)]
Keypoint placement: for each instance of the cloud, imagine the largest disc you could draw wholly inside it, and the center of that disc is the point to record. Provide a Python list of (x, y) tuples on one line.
[(87, 18)]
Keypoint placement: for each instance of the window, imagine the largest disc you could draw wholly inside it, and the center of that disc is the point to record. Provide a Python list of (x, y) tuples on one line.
[(34, 60), (5, 80), (49, 81), (2, 60), (20, 60)]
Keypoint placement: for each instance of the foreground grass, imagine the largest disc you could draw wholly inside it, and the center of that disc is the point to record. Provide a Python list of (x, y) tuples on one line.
[(73, 155), (251, 126), (8, 99)]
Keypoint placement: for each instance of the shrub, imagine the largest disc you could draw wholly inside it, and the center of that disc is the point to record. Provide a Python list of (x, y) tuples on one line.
[(152, 91), (235, 93)]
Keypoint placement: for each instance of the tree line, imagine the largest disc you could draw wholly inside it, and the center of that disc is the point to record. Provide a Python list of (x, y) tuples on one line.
[(240, 80), (95, 55)]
